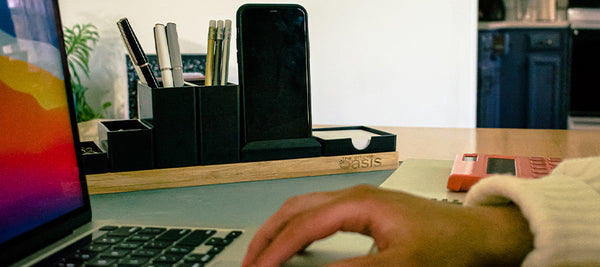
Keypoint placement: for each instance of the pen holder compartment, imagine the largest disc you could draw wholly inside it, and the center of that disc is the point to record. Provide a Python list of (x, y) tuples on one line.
[(218, 123), (128, 144), (171, 112), (192, 125)]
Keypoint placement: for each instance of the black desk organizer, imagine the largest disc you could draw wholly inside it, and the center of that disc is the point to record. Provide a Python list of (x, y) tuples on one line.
[(192, 125), (94, 159), (128, 144)]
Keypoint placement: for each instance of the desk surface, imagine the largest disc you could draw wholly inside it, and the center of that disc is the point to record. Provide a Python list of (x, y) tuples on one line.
[(446, 143), (249, 204), (426, 143), (232, 205)]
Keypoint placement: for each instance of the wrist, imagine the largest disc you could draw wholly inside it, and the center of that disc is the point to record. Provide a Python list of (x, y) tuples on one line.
[(505, 235)]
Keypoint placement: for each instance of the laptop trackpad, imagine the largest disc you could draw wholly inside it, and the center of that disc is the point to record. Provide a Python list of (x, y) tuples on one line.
[(225, 263), (337, 247)]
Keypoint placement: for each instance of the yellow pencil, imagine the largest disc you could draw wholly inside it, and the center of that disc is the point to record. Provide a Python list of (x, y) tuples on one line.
[(210, 53)]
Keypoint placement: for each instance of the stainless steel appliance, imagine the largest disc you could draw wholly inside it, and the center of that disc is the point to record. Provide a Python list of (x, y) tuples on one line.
[(492, 10), (584, 17)]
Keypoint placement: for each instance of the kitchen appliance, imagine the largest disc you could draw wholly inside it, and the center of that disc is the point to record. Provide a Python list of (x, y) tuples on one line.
[(584, 18), (492, 10)]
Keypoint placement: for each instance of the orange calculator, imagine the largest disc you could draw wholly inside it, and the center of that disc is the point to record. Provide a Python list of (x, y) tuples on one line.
[(471, 167)]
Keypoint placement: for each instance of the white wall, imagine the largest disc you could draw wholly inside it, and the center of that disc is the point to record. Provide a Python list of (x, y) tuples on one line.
[(380, 63)]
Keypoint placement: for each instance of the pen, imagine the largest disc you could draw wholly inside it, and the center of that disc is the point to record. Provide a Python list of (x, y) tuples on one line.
[(210, 52), (136, 54), (162, 52), (225, 57), (175, 54), (218, 53)]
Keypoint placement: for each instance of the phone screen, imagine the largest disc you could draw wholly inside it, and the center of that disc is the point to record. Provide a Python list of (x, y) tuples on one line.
[(274, 71)]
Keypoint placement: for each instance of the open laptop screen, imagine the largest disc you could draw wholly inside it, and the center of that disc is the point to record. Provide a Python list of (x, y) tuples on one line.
[(39, 175)]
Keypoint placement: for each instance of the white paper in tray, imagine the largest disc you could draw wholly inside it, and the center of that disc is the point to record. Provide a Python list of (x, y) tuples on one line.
[(360, 138)]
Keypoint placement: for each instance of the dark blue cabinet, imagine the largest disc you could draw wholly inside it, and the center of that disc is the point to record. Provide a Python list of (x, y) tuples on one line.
[(523, 78)]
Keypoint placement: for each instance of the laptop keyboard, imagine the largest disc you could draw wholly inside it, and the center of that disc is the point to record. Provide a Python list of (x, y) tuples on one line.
[(148, 246)]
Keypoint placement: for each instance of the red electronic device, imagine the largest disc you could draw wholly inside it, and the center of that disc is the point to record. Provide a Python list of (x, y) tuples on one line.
[(471, 167)]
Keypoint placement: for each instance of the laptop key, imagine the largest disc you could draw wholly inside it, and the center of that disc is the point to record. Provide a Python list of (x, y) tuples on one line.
[(132, 262), (140, 238), (215, 250), (177, 249), (200, 258), (158, 244), (107, 240), (197, 237), (173, 234), (114, 253), (145, 253), (101, 262), (219, 242), (233, 235), (124, 231), (128, 245), (167, 258), (151, 231)]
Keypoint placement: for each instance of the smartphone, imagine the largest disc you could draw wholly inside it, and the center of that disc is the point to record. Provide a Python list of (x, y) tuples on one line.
[(273, 65)]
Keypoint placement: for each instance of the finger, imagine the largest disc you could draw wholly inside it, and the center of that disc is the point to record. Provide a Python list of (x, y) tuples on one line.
[(312, 225), (279, 219)]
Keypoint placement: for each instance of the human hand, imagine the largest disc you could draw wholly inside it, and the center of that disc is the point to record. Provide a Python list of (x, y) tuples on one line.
[(407, 230)]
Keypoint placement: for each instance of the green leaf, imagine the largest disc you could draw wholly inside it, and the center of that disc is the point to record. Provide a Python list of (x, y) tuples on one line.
[(79, 42)]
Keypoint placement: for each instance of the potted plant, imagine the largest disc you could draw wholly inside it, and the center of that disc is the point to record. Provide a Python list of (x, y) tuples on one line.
[(79, 43)]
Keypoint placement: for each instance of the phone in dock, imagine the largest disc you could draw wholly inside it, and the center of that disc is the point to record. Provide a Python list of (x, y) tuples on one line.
[(273, 65)]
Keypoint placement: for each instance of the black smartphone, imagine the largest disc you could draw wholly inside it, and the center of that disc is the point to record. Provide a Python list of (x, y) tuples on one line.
[(273, 65)]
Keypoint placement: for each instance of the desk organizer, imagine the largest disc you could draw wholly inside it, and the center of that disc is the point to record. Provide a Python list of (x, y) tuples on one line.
[(354, 140), (128, 144), (218, 124), (94, 160), (171, 112), (192, 124)]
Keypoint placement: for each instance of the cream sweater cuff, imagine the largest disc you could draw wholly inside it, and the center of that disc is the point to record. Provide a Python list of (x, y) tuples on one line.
[(563, 211)]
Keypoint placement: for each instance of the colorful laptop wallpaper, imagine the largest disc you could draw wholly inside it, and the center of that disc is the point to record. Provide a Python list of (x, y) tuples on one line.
[(39, 178)]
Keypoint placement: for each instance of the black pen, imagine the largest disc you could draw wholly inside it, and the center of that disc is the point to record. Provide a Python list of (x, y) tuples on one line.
[(139, 59), (218, 54)]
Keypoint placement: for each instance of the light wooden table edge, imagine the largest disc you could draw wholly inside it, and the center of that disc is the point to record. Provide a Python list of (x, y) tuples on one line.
[(239, 172)]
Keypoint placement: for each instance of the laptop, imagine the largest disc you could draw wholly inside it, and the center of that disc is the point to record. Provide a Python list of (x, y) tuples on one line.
[(45, 215)]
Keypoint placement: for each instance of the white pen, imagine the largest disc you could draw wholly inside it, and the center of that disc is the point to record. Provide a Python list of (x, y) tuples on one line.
[(175, 54), (225, 57), (162, 52)]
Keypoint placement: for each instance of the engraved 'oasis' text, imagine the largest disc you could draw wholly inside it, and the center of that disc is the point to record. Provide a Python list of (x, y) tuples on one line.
[(360, 162)]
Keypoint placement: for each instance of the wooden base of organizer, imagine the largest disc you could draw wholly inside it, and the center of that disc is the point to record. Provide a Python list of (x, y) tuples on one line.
[(238, 172)]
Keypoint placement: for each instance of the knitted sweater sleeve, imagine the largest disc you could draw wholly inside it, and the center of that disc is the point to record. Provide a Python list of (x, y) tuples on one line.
[(563, 211)]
